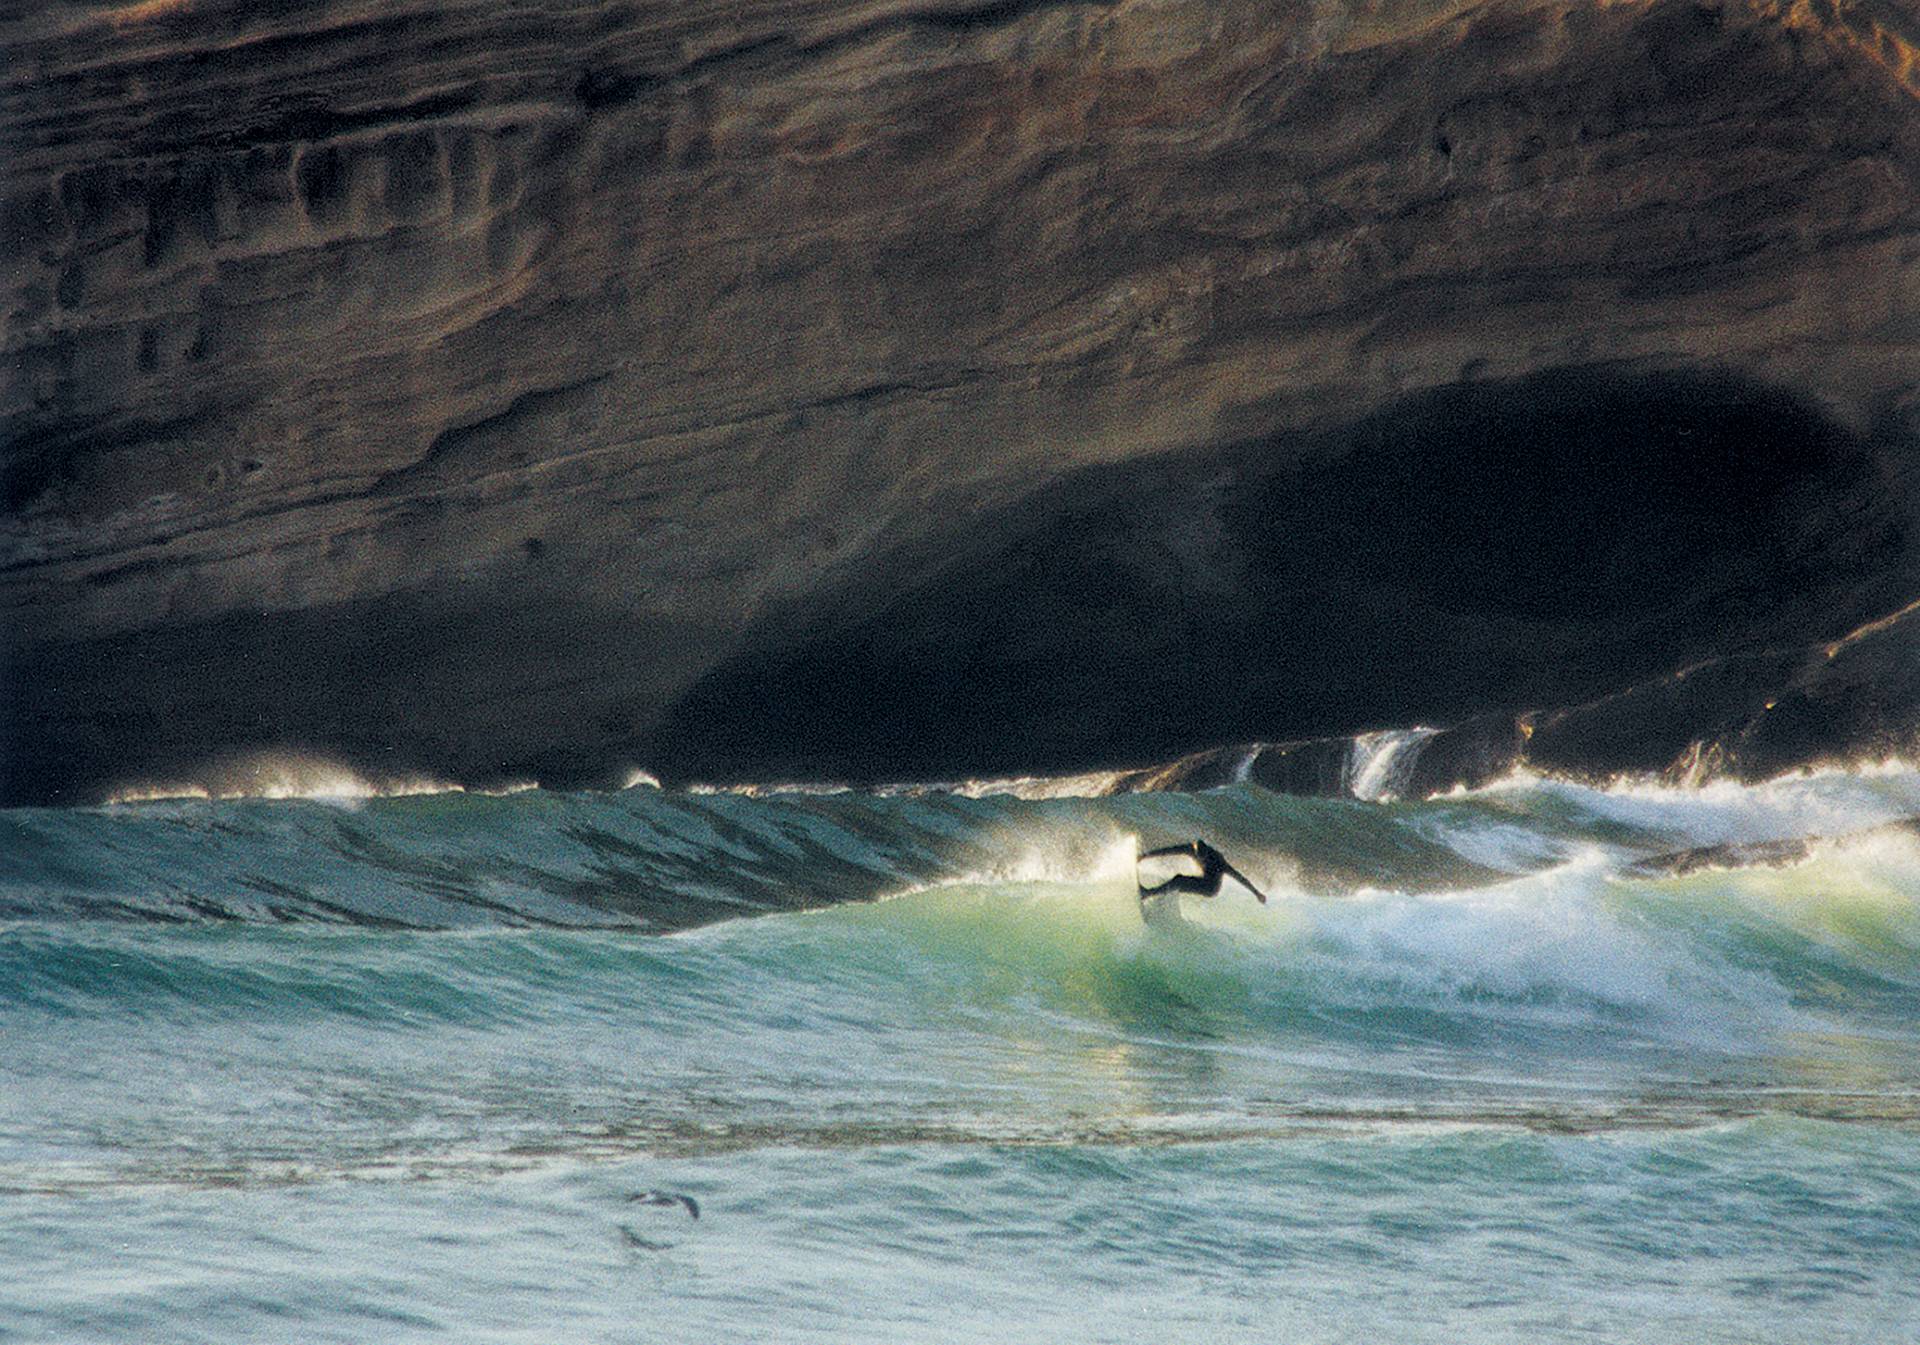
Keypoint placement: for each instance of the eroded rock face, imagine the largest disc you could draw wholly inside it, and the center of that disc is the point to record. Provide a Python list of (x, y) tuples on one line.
[(908, 386)]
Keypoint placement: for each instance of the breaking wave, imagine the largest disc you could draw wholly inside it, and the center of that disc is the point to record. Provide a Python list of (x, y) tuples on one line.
[(1529, 915)]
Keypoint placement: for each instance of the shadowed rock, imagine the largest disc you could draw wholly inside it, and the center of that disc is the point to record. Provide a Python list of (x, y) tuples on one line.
[(920, 387)]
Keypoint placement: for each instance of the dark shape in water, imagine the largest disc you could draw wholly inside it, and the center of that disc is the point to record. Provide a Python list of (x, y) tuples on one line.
[(633, 1239), (1775, 854), (666, 1199)]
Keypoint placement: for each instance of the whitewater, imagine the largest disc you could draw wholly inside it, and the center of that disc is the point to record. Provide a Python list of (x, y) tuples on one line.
[(1535, 1062)]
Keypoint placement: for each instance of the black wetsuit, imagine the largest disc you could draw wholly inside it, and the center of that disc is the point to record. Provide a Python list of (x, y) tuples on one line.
[(1206, 883)]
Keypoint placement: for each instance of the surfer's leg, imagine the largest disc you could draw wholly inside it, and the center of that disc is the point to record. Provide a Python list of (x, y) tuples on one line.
[(1183, 882)]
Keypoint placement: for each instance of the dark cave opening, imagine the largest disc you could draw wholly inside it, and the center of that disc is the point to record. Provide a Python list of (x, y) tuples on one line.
[(1482, 550), (1489, 546)]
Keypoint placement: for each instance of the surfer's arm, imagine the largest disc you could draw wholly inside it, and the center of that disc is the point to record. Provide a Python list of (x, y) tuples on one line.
[(1243, 880), (1186, 849)]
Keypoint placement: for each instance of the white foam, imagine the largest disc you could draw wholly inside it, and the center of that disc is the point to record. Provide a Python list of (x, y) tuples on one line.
[(274, 775), (1089, 785), (1823, 802), (1038, 857), (1554, 947), (1380, 764)]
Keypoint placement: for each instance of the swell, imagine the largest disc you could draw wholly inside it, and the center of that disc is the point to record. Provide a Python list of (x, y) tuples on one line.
[(1535, 955), (644, 859), (1566, 978), (656, 860)]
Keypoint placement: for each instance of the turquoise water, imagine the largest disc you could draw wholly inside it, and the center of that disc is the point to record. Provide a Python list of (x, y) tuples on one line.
[(1506, 1066)]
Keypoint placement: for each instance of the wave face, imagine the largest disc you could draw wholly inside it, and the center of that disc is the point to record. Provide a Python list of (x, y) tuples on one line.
[(657, 860), (1518, 1064)]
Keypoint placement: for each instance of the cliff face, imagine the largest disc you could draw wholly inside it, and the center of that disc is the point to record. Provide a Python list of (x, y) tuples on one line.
[(529, 391)]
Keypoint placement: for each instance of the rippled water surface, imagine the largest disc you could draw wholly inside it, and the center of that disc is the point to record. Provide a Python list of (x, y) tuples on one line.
[(1535, 1063)]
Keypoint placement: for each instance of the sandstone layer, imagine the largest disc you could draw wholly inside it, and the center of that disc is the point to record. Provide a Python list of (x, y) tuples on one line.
[(889, 388)]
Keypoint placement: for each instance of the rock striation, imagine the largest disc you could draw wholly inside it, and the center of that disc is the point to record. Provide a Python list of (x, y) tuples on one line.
[(920, 387)]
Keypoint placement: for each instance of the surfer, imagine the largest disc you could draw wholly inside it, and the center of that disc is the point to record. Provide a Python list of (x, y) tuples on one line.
[(1206, 883)]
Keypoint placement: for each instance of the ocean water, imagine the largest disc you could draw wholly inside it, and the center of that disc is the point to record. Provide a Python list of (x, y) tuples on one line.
[(1534, 1063)]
